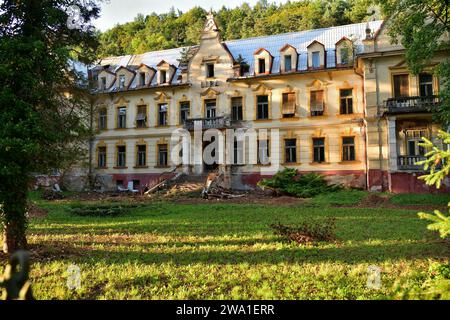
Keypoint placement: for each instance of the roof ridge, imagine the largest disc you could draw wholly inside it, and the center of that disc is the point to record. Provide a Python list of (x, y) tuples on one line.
[(302, 31)]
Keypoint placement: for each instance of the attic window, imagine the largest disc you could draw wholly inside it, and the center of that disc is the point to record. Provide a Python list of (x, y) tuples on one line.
[(261, 65), (287, 63), (210, 70), (121, 81), (316, 59), (163, 76), (344, 55), (142, 78)]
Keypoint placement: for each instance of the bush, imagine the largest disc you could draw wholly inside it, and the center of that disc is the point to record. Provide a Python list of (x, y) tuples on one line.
[(50, 195), (307, 232), (109, 210), (304, 186)]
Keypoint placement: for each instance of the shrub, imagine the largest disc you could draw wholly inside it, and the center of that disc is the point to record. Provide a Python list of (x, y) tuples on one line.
[(106, 210), (307, 232), (50, 195), (304, 186)]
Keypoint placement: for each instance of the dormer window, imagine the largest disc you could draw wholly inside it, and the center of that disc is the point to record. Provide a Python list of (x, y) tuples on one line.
[(103, 83), (261, 65), (344, 55), (288, 63), (316, 59), (163, 77), (122, 81), (210, 70), (142, 78)]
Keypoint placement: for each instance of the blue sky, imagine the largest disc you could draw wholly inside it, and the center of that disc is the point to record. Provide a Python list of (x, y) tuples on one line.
[(120, 11)]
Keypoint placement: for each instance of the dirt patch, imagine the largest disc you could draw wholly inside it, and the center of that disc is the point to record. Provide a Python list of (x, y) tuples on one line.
[(383, 201), (247, 199), (35, 212)]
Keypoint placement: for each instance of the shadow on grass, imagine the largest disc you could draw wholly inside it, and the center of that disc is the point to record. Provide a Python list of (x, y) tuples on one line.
[(200, 254)]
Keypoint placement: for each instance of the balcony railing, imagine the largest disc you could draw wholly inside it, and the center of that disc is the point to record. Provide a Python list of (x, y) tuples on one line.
[(411, 104), (409, 162), (208, 123)]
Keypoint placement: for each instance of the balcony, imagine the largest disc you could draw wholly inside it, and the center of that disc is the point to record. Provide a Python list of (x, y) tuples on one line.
[(208, 123), (409, 162), (410, 104)]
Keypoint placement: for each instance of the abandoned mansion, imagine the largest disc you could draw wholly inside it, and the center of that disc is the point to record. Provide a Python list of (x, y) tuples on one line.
[(338, 101)]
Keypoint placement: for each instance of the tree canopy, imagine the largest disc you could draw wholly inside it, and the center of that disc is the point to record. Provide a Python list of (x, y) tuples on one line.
[(179, 29)]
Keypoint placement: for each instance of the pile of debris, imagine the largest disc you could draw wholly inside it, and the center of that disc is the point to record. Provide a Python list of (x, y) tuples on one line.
[(213, 189)]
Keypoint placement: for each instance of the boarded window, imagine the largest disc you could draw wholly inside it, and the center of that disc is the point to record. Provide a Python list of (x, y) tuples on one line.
[(289, 104), (401, 85), (287, 62), (316, 103), (348, 149), (316, 59)]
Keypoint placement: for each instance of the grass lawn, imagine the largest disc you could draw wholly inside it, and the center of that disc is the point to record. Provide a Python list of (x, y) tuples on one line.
[(227, 251)]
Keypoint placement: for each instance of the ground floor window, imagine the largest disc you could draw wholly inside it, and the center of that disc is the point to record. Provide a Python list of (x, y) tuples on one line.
[(121, 156), (290, 147), (319, 150), (102, 157), (348, 149), (162, 155)]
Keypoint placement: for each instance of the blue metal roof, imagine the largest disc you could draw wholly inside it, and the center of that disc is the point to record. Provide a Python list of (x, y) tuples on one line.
[(246, 48)]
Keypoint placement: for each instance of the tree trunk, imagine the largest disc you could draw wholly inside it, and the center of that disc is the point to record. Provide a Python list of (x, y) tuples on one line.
[(14, 220)]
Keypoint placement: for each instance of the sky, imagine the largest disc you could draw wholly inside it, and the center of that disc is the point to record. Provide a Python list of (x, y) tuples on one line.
[(120, 11)]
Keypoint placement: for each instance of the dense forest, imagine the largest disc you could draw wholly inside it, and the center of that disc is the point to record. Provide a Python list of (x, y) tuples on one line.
[(177, 29)]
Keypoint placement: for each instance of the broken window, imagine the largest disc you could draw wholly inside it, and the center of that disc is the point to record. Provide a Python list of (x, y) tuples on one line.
[(141, 117)]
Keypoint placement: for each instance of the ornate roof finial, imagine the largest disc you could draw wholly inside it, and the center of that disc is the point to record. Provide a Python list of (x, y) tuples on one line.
[(210, 24)]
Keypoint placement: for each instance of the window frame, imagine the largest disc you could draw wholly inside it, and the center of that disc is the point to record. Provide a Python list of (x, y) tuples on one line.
[(313, 55), (314, 93), (103, 119), (264, 107), (321, 148), (344, 102), (237, 115), (139, 154), (102, 154), (145, 121), (122, 80), (261, 65), (119, 116), (290, 152), (160, 151), (210, 70), (165, 113), (118, 156), (184, 109), (348, 149)]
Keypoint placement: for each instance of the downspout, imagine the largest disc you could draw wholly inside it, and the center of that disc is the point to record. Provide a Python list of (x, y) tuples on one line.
[(380, 132), (364, 128)]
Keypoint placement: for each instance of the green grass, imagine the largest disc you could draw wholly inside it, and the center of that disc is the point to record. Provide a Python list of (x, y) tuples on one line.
[(343, 197), (425, 199), (228, 251)]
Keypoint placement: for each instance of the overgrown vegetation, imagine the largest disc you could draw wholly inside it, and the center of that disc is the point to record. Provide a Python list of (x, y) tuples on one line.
[(304, 186), (181, 29), (227, 251), (102, 210), (311, 231)]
